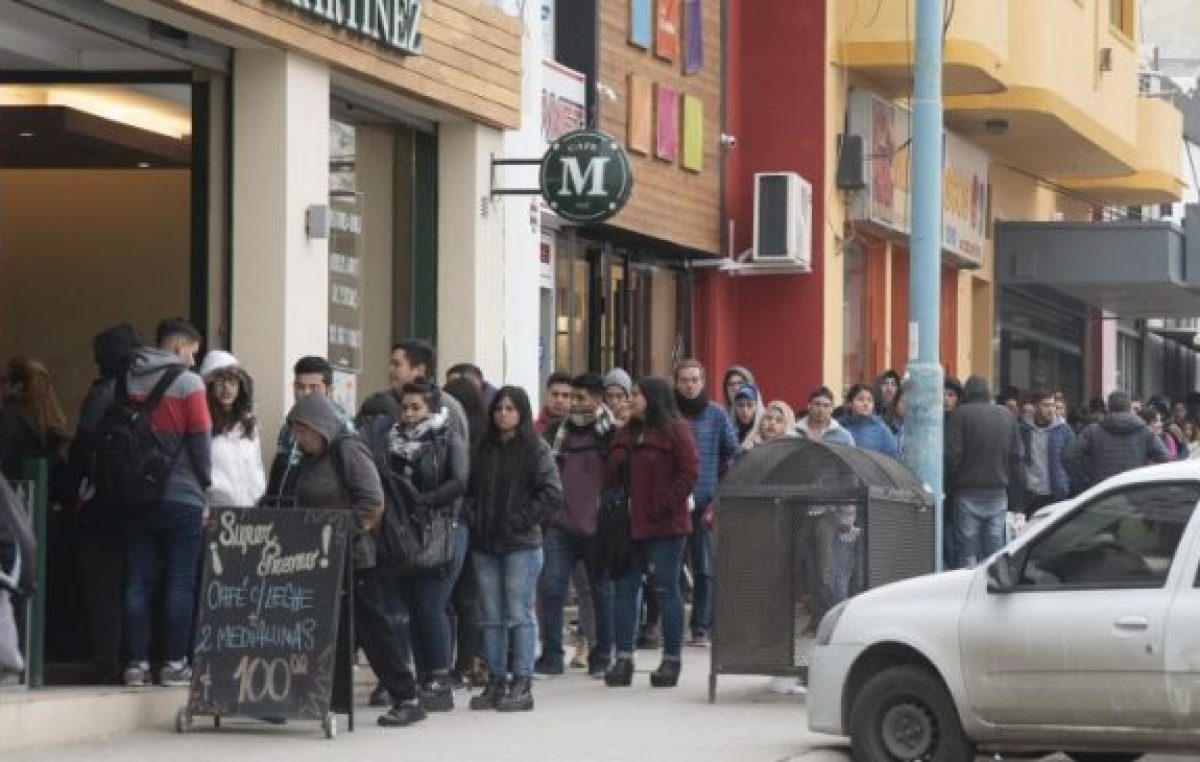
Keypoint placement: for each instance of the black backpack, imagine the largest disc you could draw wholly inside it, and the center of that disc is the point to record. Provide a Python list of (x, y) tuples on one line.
[(129, 466)]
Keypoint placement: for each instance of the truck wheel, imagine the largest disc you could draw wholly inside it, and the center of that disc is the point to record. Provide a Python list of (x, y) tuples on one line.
[(904, 714)]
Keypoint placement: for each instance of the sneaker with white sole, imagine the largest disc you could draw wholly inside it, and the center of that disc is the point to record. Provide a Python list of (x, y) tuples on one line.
[(175, 675), (136, 675)]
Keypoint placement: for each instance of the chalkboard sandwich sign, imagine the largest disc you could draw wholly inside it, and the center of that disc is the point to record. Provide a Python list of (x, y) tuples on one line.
[(270, 605)]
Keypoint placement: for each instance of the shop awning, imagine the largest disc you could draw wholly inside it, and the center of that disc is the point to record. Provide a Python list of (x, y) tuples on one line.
[(1133, 269)]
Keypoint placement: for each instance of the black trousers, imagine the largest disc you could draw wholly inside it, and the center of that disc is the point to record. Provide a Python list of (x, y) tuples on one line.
[(102, 569), (376, 632)]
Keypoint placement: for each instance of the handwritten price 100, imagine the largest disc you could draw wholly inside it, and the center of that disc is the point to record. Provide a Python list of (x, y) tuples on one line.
[(261, 678)]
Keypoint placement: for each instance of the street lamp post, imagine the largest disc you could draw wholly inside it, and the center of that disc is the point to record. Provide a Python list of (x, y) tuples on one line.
[(923, 427)]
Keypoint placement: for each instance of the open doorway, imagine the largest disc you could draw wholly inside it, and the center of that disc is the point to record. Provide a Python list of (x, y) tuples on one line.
[(95, 216)]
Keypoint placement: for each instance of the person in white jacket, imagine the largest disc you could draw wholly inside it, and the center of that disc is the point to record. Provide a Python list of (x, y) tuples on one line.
[(238, 478)]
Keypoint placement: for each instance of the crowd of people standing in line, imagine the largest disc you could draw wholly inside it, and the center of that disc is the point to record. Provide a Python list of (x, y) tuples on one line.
[(522, 495)]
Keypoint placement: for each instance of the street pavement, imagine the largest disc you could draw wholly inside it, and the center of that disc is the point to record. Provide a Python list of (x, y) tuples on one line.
[(576, 718)]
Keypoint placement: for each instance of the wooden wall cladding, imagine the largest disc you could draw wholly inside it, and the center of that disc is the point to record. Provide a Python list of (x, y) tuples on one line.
[(470, 61), (669, 202)]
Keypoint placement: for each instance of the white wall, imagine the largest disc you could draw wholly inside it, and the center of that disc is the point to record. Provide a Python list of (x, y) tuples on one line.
[(281, 166), (522, 226)]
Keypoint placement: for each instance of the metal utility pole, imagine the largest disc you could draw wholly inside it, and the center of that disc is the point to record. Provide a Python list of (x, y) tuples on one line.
[(923, 428)]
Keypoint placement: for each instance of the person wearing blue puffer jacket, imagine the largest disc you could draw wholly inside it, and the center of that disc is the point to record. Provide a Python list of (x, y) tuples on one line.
[(869, 430)]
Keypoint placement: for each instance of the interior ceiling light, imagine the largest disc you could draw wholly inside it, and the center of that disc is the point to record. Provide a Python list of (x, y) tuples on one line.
[(144, 165), (26, 135), (114, 103)]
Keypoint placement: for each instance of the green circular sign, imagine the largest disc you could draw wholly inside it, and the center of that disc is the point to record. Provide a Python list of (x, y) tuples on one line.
[(586, 176)]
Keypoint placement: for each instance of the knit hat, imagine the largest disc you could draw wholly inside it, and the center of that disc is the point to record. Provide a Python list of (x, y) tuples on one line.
[(748, 391), (216, 359), (618, 377)]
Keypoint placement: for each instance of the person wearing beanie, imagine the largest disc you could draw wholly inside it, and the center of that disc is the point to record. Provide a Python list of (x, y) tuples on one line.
[(618, 387), (983, 458), (238, 477)]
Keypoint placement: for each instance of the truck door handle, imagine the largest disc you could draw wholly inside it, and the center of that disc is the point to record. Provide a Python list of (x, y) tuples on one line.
[(1133, 623)]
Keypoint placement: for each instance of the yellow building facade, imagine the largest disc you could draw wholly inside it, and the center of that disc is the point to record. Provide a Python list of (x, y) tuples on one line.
[(1047, 91)]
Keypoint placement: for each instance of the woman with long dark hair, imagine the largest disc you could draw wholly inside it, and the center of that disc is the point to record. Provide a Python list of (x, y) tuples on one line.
[(655, 458), (238, 478), (425, 472), (101, 535), (469, 666), (514, 488), (32, 424)]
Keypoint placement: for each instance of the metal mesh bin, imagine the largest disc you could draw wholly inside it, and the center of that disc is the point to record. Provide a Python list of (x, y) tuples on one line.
[(801, 526)]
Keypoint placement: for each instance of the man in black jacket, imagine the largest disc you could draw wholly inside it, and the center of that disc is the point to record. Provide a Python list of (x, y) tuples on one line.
[(983, 457), (1118, 443)]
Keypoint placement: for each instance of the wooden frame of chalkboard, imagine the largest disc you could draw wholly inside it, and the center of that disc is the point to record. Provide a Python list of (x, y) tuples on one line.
[(275, 625)]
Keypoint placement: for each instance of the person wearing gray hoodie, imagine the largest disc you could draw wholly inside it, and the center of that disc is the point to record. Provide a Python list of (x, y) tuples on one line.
[(338, 471), (165, 536)]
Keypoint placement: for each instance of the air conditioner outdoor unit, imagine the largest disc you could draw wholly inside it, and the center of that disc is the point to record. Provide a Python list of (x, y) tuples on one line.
[(782, 221)]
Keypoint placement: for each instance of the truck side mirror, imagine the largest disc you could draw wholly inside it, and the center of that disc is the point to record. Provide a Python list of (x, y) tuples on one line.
[(1001, 575)]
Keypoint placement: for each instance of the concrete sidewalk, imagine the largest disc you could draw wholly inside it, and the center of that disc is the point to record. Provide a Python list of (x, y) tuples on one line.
[(576, 718)]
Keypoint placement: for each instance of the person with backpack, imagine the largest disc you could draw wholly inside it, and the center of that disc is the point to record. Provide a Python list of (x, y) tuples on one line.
[(155, 460), (424, 469), (336, 471), (101, 530)]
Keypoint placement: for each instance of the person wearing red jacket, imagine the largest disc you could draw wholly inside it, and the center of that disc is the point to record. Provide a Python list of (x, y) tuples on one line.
[(655, 457)]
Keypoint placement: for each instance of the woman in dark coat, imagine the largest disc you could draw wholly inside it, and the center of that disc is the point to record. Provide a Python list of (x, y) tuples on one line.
[(426, 467), (514, 489), (655, 456)]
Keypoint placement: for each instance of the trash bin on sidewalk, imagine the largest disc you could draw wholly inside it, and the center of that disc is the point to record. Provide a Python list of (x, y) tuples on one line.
[(801, 526)]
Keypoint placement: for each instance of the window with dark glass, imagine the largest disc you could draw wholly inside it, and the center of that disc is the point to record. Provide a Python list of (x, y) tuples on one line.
[(1122, 539)]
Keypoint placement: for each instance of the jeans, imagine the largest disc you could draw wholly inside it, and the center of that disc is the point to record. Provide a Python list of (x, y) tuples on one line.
[(562, 551), (465, 621), (164, 546), (978, 523), (507, 582), (662, 560), (376, 631), (427, 601), (700, 552)]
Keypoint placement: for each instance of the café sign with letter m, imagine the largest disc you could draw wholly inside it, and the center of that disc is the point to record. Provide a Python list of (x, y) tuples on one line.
[(586, 176)]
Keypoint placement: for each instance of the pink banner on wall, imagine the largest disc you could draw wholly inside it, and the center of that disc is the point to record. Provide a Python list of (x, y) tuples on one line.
[(666, 134)]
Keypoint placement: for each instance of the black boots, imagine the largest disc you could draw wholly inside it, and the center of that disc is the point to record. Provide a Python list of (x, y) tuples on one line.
[(620, 675), (491, 696), (667, 674), (403, 714), (438, 695), (519, 697)]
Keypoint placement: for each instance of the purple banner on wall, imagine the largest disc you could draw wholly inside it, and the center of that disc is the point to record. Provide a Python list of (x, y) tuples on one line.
[(693, 36)]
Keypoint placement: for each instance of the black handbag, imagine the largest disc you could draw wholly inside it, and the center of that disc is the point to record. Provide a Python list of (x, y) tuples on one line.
[(614, 537), (412, 539)]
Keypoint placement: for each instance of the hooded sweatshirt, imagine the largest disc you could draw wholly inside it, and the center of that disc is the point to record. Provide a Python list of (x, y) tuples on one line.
[(834, 434), (351, 484), (1045, 471), (181, 423), (1118, 443)]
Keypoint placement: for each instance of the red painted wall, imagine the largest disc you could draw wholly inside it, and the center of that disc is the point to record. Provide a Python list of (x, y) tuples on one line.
[(775, 102)]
